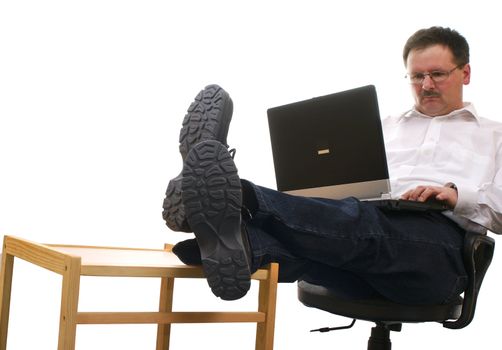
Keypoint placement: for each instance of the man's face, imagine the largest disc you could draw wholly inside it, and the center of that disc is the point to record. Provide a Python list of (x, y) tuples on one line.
[(437, 98)]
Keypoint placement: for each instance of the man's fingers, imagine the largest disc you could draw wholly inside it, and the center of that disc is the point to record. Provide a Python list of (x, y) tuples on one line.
[(415, 194), (427, 193), (423, 193)]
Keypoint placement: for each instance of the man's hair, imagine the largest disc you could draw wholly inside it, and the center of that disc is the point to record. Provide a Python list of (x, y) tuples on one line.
[(447, 37)]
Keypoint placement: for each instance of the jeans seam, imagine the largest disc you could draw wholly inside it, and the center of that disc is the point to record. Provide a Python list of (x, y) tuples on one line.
[(371, 236)]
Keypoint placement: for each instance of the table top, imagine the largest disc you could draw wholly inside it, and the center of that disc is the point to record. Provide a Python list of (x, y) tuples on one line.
[(106, 261)]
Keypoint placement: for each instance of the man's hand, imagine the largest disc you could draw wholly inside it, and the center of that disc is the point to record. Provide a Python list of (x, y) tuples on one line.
[(443, 194)]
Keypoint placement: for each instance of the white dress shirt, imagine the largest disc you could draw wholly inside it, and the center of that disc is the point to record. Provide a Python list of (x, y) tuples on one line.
[(460, 147)]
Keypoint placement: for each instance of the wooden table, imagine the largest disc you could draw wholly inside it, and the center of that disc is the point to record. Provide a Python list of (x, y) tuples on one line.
[(72, 261)]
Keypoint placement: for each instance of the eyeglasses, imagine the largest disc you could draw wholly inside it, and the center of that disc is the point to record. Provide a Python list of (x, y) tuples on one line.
[(437, 76)]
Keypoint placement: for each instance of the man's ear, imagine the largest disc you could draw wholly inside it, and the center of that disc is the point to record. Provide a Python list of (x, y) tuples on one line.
[(467, 73)]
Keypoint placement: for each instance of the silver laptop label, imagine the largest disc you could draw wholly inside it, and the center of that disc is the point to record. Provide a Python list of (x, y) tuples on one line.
[(323, 151)]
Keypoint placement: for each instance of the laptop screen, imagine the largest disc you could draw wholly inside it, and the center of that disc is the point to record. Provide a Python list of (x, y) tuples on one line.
[(328, 141)]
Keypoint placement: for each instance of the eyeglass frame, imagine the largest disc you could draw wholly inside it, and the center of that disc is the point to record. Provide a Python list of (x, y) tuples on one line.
[(447, 74)]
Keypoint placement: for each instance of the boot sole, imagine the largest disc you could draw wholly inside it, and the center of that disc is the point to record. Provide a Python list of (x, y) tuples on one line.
[(207, 118), (174, 211), (212, 198)]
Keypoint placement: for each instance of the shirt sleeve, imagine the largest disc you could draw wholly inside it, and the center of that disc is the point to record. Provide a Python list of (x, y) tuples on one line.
[(483, 205)]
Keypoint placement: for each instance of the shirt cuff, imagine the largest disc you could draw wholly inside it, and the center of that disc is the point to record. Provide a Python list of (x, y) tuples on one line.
[(466, 201)]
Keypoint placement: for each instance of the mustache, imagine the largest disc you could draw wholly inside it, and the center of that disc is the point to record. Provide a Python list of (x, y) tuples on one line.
[(428, 93)]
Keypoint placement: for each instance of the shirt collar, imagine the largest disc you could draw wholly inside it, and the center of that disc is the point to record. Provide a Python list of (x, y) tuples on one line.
[(467, 110)]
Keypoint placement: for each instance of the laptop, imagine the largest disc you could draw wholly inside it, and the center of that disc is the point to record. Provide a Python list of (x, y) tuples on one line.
[(333, 147)]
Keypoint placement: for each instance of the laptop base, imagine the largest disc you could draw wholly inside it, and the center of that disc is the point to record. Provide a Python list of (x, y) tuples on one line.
[(407, 205)]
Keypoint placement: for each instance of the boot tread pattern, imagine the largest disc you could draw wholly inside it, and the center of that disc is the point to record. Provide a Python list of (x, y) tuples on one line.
[(212, 199), (207, 118)]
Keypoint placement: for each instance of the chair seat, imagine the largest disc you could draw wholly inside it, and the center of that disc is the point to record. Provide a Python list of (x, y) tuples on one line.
[(375, 310)]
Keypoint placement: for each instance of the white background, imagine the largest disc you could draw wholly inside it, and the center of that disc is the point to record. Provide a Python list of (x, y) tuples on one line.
[(92, 94)]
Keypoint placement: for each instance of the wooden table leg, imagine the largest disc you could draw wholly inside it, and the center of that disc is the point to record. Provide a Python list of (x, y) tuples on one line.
[(5, 292), (69, 304), (165, 305), (267, 303)]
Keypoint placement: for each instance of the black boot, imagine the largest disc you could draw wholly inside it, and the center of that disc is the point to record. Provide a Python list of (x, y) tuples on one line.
[(212, 197), (188, 252), (207, 118)]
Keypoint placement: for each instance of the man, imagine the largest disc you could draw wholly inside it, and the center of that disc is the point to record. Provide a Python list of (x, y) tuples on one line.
[(440, 149)]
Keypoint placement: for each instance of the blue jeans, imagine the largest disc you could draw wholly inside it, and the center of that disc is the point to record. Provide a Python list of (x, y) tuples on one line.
[(356, 248)]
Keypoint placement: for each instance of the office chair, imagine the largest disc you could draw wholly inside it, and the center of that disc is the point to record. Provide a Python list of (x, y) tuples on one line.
[(389, 316)]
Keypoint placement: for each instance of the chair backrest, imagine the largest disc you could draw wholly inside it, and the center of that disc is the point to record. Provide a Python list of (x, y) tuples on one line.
[(478, 254)]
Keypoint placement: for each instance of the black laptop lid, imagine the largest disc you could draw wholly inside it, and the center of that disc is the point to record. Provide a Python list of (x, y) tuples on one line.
[(329, 140)]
